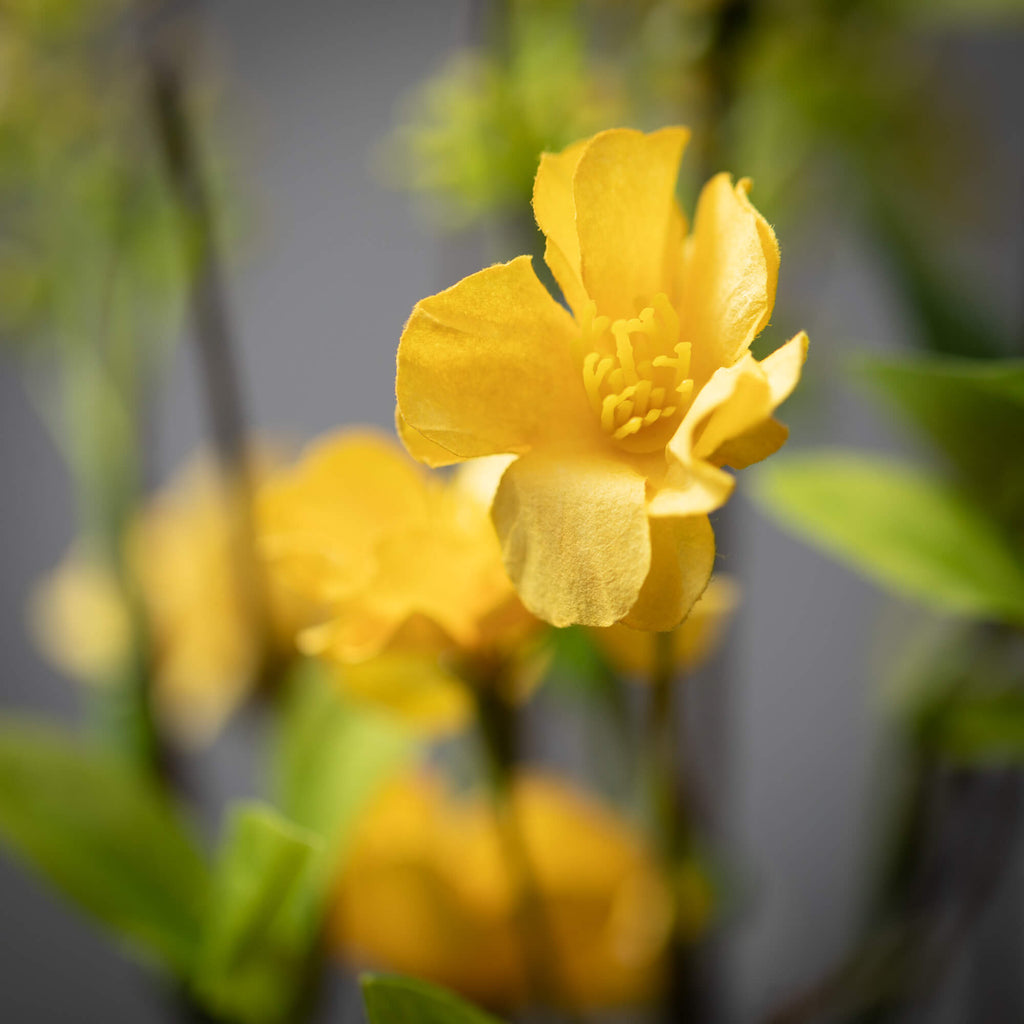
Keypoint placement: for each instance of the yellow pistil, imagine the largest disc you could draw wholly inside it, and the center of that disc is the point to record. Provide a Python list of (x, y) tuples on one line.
[(635, 372)]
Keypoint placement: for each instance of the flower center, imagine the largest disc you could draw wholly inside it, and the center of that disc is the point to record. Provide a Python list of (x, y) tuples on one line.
[(635, 374)]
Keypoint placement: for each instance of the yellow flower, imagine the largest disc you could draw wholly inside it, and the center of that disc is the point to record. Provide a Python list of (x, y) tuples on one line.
[(623, 411), (80, 618), (693, 641), (182, 551), (427, 891), (401, 567)]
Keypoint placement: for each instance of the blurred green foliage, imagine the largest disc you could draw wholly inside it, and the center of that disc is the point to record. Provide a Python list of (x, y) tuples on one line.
[(90, 246), (262, 919), (905, 528), (105, 837), (242, 936), (471, 134), (330, 756), (395, 1000)]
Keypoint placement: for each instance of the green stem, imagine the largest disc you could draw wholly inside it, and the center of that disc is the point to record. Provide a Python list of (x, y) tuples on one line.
[(101, 401)]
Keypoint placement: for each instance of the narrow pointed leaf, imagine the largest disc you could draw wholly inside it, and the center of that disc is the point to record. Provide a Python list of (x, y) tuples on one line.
[(903, 528), (395, 1000), (332, 755), (105, 837), (261, 924)]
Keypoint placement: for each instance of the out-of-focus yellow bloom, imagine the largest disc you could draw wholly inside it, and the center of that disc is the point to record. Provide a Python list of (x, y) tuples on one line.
[(630, 651), (182, 552), (402, 567), (428, 891), (80, 619), (623, 412)]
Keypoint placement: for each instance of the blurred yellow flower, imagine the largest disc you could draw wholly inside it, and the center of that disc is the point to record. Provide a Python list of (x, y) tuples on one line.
[(182, 552), (427, 891), (80, 618), (693, 641), (401, 567), (623, 412)]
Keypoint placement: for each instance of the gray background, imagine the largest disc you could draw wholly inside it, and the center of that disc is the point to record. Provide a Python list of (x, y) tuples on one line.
[(332, 267)]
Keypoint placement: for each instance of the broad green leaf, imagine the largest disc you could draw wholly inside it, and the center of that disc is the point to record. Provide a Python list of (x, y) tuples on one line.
[(332, 755), (104, 836), (261, 924), (973, 410), (394, 1000), (982, 730), (903, 528)]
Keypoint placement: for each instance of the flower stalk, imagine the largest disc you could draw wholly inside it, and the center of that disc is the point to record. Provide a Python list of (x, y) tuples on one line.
[(212, 333), (670, 817), (498, 728)]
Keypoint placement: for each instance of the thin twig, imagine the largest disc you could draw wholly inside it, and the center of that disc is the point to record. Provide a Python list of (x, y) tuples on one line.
[(215, 347)]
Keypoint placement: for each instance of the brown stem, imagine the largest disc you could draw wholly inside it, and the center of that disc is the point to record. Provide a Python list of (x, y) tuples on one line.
[(686, 994)]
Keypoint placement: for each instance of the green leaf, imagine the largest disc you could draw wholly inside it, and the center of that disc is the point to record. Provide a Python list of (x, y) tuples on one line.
[(394, 1000), (972, 410), (262, 923), (104, 836), (903, 528), (985, 730), (332, 756)]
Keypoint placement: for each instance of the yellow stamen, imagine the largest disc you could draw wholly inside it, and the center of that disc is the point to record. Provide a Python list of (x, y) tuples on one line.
[(631, 367)]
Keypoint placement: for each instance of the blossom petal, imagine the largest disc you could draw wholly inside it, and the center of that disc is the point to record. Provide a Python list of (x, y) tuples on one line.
[(753, 445), (555, 211), (629, 225), (734, 400), (682, 555), (317, 537), (781, 372), (730, 271), (418, 690), (485, 366), (574, 536), (784, 366), (421, 448), (729, 423)]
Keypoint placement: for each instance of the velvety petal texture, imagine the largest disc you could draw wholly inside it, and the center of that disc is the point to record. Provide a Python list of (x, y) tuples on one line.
[(730, 272), (682, 556), (628, 222), (624, 413), (730, 419), (555, 209), (486, 367), (575, 537)]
